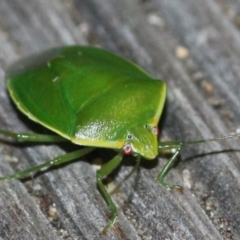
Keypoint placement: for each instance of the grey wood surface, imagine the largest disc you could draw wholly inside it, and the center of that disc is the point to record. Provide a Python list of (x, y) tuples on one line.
[(203, 101)]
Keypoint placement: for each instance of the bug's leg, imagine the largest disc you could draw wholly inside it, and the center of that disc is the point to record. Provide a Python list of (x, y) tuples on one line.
[(176, 146), (136, 167), (54, 162), (105, 170), (33, 137)]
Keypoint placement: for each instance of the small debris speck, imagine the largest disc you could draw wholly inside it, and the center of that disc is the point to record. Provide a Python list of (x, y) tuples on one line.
[(181, 52), (155, 20), (52, 211), (187, 178)]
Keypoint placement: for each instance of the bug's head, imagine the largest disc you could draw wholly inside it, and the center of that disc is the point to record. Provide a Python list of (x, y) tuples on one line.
[(142, 140)]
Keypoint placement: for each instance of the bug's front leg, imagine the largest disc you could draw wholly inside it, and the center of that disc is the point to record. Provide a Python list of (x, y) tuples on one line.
[(105, 170), (165, 146)]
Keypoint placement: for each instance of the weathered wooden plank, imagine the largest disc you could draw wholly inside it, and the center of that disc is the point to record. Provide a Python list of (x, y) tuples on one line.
[(214, 44), (203, 101)]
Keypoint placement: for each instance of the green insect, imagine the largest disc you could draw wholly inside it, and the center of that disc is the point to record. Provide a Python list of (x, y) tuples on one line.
[(92, 98)]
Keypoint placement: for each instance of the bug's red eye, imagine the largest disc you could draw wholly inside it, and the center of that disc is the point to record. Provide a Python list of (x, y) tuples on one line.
[(155, 130), (127, 149)]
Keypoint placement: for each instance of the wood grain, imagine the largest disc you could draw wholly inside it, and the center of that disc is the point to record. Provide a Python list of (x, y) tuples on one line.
[(194, 46)]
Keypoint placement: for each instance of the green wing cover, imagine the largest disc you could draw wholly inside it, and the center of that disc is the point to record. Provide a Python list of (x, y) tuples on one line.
[(88, 95)]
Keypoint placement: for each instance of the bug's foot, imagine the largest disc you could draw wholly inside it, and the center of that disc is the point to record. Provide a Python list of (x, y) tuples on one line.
[(109, 225)]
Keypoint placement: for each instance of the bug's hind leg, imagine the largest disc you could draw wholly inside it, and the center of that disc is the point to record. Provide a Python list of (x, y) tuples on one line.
[(53, 162), (33, 137)]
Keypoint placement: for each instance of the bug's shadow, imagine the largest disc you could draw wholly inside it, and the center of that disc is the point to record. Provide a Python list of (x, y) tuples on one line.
[(105, 155)]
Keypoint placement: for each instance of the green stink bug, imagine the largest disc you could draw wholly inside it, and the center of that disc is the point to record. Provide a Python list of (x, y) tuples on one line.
[(92, 98)]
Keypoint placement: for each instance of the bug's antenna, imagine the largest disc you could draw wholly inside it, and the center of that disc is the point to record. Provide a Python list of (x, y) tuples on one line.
[(169, 145), (210, 139)]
